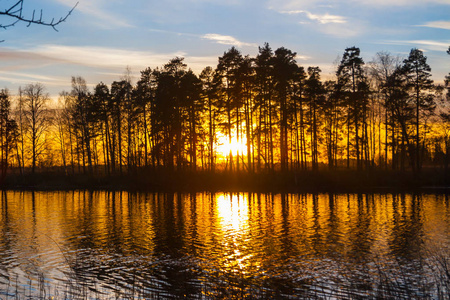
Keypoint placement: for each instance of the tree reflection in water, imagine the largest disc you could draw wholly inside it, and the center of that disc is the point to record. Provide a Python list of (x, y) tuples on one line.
[(224, 245)]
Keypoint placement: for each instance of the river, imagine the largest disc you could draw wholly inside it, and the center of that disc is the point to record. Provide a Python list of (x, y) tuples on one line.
[(111, 245)]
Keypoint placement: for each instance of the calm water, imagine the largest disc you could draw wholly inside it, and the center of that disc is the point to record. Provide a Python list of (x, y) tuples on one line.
[(136, 245)]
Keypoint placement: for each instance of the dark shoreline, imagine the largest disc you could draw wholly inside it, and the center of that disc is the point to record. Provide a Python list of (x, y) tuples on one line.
[(341, 181)]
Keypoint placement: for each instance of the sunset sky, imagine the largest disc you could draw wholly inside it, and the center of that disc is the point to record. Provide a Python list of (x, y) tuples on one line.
[(102, 37)]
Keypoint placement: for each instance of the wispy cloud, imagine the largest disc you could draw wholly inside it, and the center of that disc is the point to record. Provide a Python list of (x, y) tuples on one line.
[(432, 45), (305, 4), (333, 25), (98, 12), (399, 2), (53, 65), (437, 24), (198, 63), (226, 40), (102, 56), (11, 54), (344, 30), (110, 60), (22, 78), (302, 57), (322, 19), (290, 4), (218, 38), (425, 44)]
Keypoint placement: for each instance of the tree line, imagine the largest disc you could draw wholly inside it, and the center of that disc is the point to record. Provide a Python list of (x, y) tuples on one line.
[(385, 114)]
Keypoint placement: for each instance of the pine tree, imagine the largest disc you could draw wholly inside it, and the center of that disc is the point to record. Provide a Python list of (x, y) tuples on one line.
[(420, 88), (351, 80)]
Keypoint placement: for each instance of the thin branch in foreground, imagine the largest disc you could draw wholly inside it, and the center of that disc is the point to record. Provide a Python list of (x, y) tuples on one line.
[(16, 12)]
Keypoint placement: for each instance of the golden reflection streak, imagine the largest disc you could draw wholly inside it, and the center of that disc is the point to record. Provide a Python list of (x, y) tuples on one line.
[(228, 225), (233, 214), (233, 211)]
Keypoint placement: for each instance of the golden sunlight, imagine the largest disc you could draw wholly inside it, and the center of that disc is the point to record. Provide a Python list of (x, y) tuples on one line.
[(224, 146), (233, 211)]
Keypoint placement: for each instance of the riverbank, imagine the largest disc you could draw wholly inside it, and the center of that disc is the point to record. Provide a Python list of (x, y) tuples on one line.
[(201, 181)]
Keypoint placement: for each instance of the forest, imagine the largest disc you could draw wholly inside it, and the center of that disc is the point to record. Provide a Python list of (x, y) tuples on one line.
[(248, 115)]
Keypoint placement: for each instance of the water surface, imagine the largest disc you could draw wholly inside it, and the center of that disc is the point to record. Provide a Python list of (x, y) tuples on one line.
[(239, 245)]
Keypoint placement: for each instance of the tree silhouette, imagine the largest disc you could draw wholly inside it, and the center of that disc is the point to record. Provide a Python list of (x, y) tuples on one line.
[(132, 111), (176, 110), (63, 128), (290, 120), (445, 117), (8, 132), (85, 115), (209, 95), (447, 79), (402, 114), (285, 69), (227, 73), (351, 80), (420, 87), (19, 116), (36, 115), (102, 99), (298, 115), (382, 67), (247, 71), (263, 104), (191, 87), (120, 93), (172, 107), (315, 94), (331, 109)]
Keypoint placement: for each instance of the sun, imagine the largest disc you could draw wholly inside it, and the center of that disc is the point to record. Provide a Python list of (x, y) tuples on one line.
[(224, 146)]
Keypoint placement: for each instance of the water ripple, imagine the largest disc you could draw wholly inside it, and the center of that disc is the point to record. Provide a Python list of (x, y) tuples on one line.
[(113, 245)]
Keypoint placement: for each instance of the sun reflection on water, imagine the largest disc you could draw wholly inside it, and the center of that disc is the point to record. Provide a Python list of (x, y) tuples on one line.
[(233, 217), (232, 210), (218, 244)]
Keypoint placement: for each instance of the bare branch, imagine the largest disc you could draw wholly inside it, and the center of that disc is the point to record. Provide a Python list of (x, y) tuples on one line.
[(16, 13)]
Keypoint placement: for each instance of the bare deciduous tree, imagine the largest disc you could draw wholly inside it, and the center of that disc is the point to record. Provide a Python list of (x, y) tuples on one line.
[(35, 111)]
